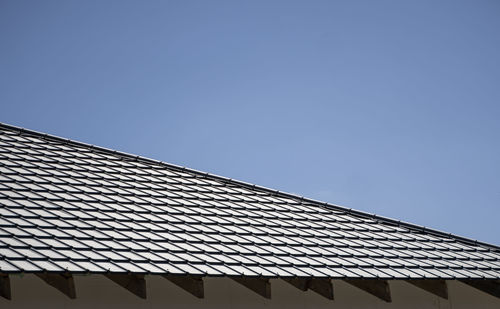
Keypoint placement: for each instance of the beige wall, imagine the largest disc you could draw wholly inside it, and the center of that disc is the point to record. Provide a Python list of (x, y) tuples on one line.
[(99, 292)]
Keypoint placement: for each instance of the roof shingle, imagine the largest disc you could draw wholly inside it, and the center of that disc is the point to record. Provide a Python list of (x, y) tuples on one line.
[(68, 206)]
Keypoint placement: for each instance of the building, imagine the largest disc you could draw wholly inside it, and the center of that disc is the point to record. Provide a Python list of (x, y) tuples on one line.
[(86, 226)]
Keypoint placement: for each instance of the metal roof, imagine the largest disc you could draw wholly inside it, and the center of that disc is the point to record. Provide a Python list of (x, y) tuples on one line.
[(67, 206)]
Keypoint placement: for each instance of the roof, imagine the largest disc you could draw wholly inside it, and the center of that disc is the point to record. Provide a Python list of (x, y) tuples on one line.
[(68, 206)]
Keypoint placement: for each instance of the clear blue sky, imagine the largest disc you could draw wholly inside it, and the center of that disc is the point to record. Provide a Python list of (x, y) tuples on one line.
[(390, 107)]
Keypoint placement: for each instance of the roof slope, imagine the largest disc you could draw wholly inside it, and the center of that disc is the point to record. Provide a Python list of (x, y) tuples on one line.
[(68, 206)]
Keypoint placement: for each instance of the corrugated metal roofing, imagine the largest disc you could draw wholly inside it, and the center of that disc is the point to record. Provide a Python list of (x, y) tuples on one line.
[(68, 206)]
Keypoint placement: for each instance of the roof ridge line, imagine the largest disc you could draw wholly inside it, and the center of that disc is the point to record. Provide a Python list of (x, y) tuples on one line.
[(254, 186)]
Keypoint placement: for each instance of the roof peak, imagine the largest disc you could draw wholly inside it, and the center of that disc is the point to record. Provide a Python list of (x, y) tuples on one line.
[(312, 202)]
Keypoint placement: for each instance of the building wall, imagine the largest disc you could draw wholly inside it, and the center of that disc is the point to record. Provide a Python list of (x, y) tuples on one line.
[(98, 292)]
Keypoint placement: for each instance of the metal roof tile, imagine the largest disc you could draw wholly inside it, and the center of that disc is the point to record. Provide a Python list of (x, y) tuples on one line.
[(88, 209)]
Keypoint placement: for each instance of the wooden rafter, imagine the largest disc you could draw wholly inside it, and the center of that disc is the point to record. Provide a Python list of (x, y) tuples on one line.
[(491, 287), (436, 287), (300, 283), (64, 283), (322, 286), (136, 284), (377, 287), (5, 286), (261, 286), (193, 285)]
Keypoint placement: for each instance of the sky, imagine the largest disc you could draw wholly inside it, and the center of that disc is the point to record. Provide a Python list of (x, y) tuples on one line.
[(388, 107)]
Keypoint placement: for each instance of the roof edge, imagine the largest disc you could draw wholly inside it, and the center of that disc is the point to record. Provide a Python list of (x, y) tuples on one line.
[(351, 211)]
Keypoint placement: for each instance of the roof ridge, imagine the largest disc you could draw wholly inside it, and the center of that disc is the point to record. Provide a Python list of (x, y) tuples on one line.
[(351, 211)]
